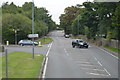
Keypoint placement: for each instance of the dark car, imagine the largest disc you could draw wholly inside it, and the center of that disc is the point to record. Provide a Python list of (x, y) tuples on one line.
[(27, 42), (79, 43)]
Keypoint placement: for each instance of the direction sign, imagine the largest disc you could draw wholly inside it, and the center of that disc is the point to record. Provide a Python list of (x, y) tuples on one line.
[(32, 35)]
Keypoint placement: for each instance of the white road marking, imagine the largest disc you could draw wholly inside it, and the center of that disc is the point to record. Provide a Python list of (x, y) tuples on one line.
[(82, 62), (97, 74), (102, 66), (107, 72), (86, 65), (108, 53), (99, 63), (49, 45), (96, 59), (66, 52), (93, 69), (45, 68), (46, 62), (49, 50)]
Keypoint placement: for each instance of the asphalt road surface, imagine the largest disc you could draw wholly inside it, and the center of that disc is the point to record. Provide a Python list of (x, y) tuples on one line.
[(67, 62), (37, 49)]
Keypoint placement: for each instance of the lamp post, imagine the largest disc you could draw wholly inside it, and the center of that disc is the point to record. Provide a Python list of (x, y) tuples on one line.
[(33, 27), (15, 30)]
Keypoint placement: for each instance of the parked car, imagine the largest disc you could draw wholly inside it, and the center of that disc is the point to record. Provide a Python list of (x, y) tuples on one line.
[(79, 43), (27, 42), (66, 36)]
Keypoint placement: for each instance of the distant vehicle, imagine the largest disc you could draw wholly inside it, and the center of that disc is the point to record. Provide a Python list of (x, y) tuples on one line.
[(26, 42), (66, 36), (79, 43)]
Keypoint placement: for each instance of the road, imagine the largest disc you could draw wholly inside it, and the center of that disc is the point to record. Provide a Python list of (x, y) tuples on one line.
[(67, 62)]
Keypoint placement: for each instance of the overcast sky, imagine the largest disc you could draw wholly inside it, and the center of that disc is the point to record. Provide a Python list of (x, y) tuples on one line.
[(55, 7)]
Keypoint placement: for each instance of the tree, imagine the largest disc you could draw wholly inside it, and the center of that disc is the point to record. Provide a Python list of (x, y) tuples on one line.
[(20, 18), (17, 22), (67, 19)]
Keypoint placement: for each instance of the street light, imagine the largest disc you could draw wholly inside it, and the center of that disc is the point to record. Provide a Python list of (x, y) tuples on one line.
[(33, 27), (15, 30)]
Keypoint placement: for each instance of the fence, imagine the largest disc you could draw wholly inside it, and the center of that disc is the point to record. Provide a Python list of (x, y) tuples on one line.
[(112, 43), (102, 42)]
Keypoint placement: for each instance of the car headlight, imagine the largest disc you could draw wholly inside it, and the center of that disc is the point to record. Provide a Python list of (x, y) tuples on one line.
[(81, 43)]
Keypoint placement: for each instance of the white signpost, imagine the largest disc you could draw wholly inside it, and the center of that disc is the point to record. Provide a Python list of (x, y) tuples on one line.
[(32, 35)]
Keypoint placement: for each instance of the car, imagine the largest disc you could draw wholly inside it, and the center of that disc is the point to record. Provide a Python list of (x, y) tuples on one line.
[(26, 42), (66, 36), (79, 43)]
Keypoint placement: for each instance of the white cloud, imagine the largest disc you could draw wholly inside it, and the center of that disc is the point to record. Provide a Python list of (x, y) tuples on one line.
[(55, 7)]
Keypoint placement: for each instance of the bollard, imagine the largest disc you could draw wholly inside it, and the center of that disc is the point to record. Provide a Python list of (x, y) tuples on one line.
[(39, 44), (7, 43)]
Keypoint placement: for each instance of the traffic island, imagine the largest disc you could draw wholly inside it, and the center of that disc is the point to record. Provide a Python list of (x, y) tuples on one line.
[(45, 40), (21, 65)]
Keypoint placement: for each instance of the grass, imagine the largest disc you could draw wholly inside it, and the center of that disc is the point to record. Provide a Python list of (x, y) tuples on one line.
[(113, 49), (21, 65), (45, 40)]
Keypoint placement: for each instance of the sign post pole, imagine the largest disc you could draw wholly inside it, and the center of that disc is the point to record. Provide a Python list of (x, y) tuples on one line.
[(6, 57)]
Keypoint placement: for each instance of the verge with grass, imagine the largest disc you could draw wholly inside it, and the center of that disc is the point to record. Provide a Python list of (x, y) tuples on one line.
[(112, 49), (21, 65), (45, 40)]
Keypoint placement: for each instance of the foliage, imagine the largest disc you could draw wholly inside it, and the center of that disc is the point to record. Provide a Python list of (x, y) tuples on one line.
[(20, 19), (66, 19), (93, 19), (13, 22)]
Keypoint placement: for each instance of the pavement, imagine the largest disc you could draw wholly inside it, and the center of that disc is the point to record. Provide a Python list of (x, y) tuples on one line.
[(67, 62)]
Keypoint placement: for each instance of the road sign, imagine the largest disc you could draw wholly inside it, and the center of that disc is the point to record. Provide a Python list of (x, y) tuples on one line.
[(32, 35)]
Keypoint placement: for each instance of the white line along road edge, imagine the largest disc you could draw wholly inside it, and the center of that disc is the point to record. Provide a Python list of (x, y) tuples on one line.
[(46, 62), (109, 53)]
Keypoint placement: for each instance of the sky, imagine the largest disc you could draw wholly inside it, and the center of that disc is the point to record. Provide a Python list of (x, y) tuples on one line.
[(55, 7)]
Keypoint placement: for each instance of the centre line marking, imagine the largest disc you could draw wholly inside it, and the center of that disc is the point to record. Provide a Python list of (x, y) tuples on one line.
[(49, 49), (66, 52)]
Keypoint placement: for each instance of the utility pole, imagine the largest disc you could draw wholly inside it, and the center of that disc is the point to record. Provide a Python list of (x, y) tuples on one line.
[(33, 27)]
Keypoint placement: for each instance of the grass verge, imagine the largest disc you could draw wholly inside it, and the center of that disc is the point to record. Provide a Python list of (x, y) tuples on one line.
[(21, 65), (45, 40), (113, 49)]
